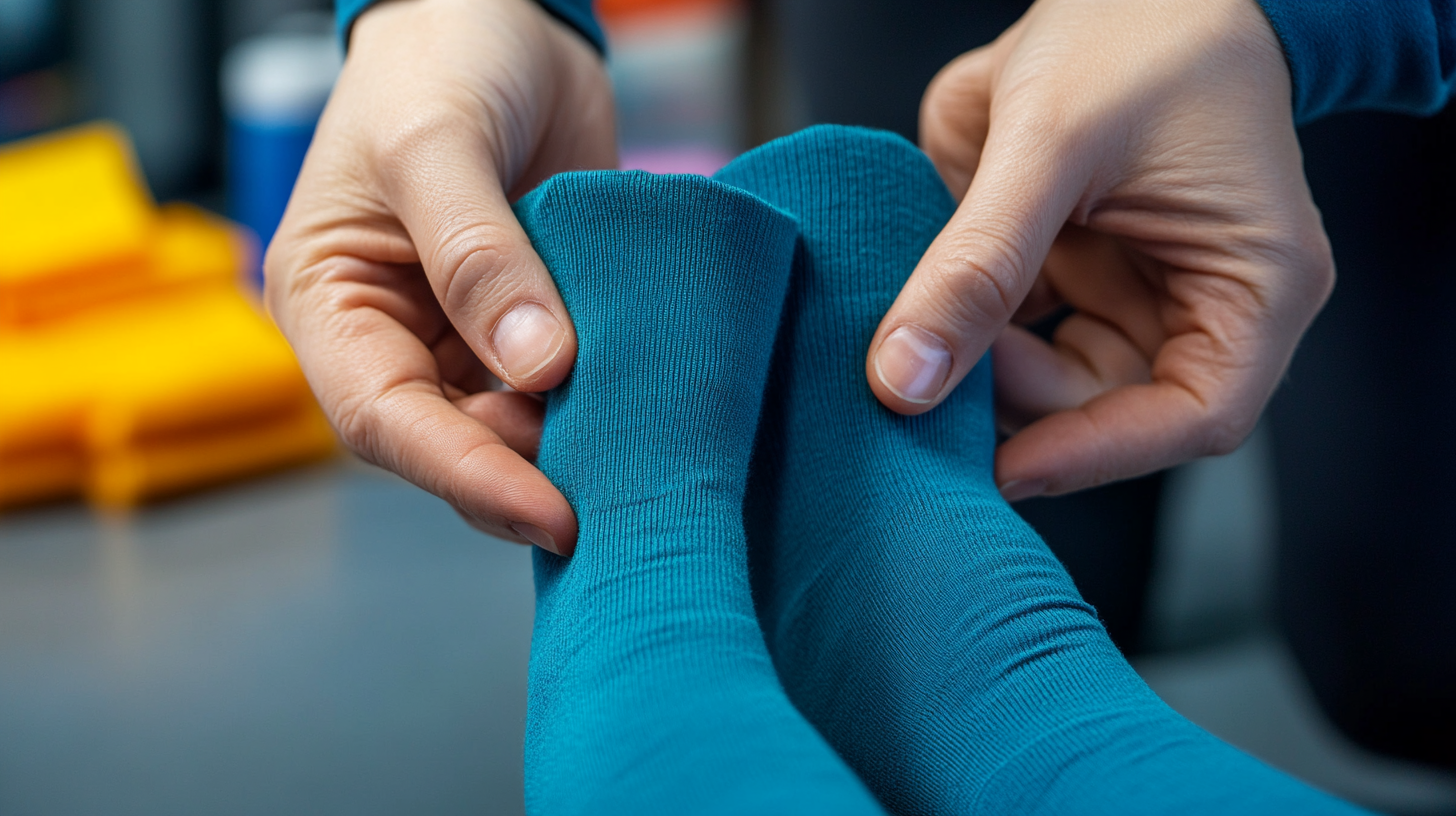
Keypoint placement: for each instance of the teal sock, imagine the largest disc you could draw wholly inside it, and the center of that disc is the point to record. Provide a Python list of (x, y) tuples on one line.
[(922, 627), (651, 689)]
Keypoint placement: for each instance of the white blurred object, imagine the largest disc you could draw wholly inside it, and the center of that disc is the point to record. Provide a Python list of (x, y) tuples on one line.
[(283, 77), (678, 72)]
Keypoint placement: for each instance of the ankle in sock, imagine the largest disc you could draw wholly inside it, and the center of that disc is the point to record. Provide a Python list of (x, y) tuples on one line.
[(914, 619), (651, 689)]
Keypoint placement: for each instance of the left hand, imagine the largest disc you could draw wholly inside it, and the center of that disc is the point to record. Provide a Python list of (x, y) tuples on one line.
[(1135, 159)]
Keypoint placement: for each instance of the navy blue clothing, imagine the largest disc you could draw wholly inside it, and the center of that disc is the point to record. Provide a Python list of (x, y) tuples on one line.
[(1393, 55), (575, 13), (1345, 55)]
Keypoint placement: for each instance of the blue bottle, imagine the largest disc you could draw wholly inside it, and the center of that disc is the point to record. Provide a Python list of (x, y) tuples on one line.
[(274, 87)]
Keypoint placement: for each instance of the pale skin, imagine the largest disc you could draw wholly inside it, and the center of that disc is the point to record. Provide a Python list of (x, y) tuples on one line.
[(1133, 159)]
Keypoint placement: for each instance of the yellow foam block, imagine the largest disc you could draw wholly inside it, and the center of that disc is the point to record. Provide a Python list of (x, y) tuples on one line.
[(74, 216), (158, 393), (43, 395), (39, 475), (123, 477), (193, 245), (187, 247), (189, 359)]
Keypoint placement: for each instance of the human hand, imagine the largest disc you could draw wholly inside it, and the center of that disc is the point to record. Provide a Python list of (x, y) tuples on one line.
[(399, 266), (1137, 161)]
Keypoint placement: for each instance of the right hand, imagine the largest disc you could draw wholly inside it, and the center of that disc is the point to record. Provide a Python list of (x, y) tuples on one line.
[(400, 274)]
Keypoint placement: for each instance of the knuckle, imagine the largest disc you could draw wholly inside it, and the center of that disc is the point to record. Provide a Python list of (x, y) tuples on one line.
[(1305, 265), (355, 417), (1319, 265), (412, 136), (981, 283), (475, 269)]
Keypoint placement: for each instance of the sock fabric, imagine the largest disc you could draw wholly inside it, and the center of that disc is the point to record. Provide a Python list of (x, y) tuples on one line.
[(651, 689), (925, 630)]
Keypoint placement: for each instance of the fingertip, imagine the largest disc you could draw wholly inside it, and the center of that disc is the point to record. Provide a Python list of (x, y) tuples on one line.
[(536, 536), (1017, 490), (534, 345), (910, 370), (556, 534)]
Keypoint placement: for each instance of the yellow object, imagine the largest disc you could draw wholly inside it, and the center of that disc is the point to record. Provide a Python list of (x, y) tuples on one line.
[(128, 392), (74, 216), (161, 467), (187, 246), (40, 475)]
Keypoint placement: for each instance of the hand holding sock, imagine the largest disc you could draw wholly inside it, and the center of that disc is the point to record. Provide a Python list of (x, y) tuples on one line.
[(922, 627)]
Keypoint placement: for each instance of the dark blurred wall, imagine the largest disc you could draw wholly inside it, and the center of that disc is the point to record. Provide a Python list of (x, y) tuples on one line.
[(152, 65)]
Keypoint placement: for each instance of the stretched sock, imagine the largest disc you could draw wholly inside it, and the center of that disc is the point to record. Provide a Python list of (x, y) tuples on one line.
[(914, 619), (651, 689)]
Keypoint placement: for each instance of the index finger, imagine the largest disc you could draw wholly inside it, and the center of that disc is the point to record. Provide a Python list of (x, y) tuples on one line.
[(380, 387)]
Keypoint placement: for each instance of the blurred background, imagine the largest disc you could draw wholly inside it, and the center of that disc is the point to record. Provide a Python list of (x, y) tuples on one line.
[(246, 621)]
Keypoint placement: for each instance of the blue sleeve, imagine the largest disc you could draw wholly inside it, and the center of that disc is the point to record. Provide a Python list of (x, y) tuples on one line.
[(1392, 55), (575, 13)]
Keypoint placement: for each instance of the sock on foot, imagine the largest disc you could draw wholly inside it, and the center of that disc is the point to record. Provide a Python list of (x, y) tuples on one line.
[(922, 627), (651, 689)]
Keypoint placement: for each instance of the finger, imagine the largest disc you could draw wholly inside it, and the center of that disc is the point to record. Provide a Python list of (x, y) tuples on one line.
[(1124, 433), (1205, 394), (517, 418), (1086, 358), (1042, 301), (459, 367), (955, 115), (975, 274), (380, 386), (444, 186), (1108, 342), (1099, 277)]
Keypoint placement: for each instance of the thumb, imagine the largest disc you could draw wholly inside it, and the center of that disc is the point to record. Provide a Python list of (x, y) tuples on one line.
[(481, 266), (977, 271)]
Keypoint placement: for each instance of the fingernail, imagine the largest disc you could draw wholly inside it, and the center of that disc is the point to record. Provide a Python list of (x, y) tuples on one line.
[(526, 339), (536, 536), (1018, 489), (913, 363)]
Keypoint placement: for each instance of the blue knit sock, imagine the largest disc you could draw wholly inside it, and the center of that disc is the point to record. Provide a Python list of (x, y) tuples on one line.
[(926, 631), (651, 689)]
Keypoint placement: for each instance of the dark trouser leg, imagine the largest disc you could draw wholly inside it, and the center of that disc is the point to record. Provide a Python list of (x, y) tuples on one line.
[(1364, 448)]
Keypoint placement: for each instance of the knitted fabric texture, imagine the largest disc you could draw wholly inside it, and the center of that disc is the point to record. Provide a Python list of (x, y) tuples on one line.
[(914, 620), (913, 617), (651, 690)]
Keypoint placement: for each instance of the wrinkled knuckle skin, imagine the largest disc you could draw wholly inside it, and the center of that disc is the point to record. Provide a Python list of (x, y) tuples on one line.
[(475, 270), (977, 293), (277, 266), (412, 135), (354, 418)]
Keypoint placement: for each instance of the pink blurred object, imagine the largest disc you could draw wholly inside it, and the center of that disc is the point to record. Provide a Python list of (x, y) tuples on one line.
[(700, 161)]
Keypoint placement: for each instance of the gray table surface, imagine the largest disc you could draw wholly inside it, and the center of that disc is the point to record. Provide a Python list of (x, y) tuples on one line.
[(325, 641), (334, 640)]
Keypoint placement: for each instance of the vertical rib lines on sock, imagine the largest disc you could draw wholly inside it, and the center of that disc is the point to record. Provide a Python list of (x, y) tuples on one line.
[(923, 628), (651, 688)]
